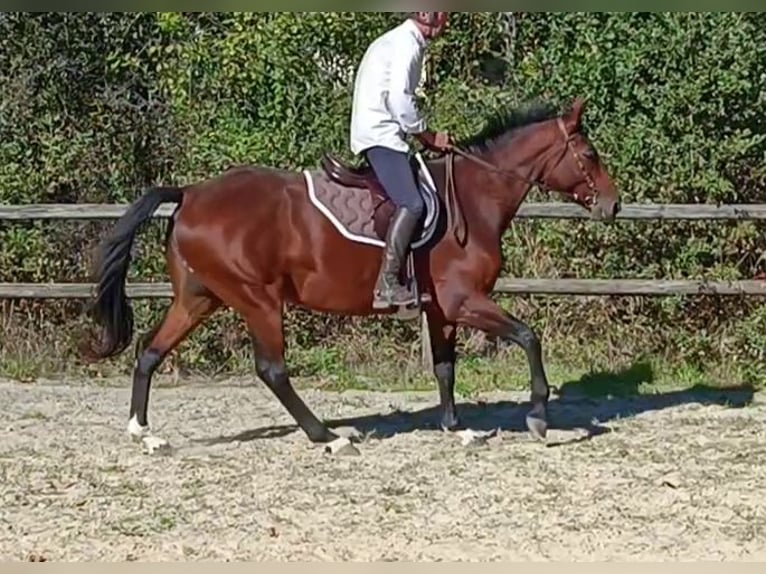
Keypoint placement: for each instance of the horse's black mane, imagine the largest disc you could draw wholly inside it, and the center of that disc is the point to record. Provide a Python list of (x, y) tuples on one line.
[(504, 123)]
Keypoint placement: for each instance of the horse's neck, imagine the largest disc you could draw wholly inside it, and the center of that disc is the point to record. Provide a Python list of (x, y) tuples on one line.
[(490, 206)]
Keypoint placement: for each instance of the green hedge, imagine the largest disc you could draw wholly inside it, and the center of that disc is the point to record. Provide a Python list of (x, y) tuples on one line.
[(97, 106)]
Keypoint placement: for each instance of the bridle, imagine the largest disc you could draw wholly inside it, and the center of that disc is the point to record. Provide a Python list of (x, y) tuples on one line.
[(452, 200), (588, 200)]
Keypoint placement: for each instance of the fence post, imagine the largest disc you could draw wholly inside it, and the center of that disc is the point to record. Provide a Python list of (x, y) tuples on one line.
[(426, 358)]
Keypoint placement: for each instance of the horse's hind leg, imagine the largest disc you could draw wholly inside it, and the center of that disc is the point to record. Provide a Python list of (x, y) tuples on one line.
[(265, 323), (192, 304)]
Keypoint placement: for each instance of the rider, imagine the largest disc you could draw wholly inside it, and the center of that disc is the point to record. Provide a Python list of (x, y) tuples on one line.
[(384, 112)]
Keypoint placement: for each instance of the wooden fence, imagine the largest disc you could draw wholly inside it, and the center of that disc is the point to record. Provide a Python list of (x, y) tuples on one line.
[(582, 287), (592, 287)]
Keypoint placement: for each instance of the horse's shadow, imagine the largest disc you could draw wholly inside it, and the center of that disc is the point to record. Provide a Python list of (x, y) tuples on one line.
[(586, 404)]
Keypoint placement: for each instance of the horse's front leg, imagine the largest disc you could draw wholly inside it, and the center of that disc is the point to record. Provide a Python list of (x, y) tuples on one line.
[(482, 313), (443, 334)]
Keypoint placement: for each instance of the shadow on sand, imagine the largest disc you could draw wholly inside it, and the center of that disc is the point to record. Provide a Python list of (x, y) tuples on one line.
[(587, 403)]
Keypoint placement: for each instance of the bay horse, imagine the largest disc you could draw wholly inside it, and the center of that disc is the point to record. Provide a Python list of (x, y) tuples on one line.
[(256, 238)]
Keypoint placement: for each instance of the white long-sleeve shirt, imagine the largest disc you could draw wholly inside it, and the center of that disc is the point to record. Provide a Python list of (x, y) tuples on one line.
[(384, 108)]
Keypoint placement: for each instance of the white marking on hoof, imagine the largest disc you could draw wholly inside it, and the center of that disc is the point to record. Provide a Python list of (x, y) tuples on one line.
[(537, 427), (155, 445), (471, 437), (349, 433), (136, 431), (152, 444), (343, 447)]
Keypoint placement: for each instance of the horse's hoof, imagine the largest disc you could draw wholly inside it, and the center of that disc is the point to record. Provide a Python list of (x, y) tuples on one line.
[(538, 427), (342, 447), (155, 445), (322, 437), (350, 433), (472, 438), (136, 432), (450, 424)]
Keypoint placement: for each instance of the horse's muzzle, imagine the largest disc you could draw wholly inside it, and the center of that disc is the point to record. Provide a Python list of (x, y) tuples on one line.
[(605, 210)]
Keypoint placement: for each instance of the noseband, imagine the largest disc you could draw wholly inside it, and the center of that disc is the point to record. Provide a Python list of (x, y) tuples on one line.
[(591, 199)]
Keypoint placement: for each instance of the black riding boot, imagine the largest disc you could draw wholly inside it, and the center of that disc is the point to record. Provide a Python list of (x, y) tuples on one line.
[(388, 290)]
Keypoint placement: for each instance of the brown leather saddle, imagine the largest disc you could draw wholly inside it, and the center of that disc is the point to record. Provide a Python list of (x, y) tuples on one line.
[(345, 174), (363, 177), (359, 176)]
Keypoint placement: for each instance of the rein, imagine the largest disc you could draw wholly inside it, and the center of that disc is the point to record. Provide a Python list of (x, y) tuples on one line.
[(453, 202), (493, 168)]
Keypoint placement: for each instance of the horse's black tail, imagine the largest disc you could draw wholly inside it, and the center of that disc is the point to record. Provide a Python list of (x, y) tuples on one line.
[(111, 310)]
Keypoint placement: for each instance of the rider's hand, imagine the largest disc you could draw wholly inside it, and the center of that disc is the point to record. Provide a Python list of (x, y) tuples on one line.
[(437, 141), (442, 141)]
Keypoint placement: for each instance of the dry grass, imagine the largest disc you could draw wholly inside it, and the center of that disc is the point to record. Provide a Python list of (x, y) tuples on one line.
[(669, 476)]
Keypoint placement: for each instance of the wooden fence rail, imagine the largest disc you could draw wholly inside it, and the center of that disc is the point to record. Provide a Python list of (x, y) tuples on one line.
[(505, 285), (581, 287), (553, 210)]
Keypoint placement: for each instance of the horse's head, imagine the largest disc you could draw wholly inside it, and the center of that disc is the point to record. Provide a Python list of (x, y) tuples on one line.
[(574, 167)]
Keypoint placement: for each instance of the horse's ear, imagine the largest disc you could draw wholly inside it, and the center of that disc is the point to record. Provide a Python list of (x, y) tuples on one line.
[(575, 115)]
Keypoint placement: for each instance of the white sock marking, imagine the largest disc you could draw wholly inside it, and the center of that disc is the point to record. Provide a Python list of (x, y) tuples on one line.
[(135, 429)]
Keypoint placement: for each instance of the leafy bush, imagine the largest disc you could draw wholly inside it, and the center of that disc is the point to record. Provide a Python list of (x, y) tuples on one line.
[(97, 106)]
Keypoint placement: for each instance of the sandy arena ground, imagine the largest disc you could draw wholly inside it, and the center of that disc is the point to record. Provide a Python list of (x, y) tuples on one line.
[(674, 476)]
